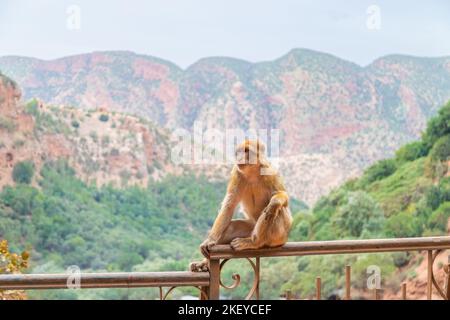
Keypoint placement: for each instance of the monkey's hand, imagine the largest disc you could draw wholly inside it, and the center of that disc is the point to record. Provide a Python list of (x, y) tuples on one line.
[(206, 246)]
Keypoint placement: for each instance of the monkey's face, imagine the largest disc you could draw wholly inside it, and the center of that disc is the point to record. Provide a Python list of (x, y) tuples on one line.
[(249, 154)]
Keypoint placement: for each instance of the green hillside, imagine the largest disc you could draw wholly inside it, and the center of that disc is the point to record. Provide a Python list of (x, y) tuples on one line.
[(406, 196), (65, 222)]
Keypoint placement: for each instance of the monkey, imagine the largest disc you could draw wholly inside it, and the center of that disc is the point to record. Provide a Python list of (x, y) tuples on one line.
[(258, 188)]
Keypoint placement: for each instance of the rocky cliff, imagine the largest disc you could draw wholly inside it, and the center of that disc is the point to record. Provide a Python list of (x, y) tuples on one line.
[(335, 117)]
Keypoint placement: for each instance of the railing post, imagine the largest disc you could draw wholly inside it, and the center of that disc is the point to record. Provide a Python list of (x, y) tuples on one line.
[(376, 294), (348, 271), (288, 295), (404, 291), (429, 274), (318, 288), (214, 279), (258, 276)]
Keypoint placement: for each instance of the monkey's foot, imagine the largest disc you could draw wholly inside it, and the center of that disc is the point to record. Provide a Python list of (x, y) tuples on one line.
[(242, 244), (199, 266)]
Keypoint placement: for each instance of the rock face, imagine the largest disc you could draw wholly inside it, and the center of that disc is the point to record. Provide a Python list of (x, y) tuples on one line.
[(335, 117), (102, 147), (9, 96)]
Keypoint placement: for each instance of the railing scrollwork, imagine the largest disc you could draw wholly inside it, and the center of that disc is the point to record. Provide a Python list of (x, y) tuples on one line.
[(254, 290), (163, 296), (443, 292)]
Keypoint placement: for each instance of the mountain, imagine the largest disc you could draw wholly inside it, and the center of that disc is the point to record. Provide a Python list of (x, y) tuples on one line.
[(336, 118), (103, 147)]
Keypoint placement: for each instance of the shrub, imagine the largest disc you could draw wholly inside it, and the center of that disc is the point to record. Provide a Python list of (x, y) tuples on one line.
[(360, 217), (94, 136), (422, 214), (125, 176), (401, 259), (401, 225), (444, 187), (32, 108), (300, 228), (7, 124), (380, 170), (104, 118), (19, 143), (438, 126), (75, 124), (441, 149), (22, 199), (23, 172), (439, 218), (411, 152), (433, 197), (58, 167), (105, 141)]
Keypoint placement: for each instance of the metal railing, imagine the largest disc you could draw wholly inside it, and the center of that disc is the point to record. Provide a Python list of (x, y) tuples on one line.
[(171, 280), (222, 253), (209, 284)]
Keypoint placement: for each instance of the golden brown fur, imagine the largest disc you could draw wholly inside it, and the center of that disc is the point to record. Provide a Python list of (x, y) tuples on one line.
[(260, 191)]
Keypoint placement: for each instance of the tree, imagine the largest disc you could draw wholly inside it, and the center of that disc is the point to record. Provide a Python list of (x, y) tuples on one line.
[(441, 149), (360, 217), (75, 124), (23, 172), (380, 170), (402, 225), (22, 199), (300, 227), (439, 218), (437, 126), (411, 152), (433, 197), (104, 118)]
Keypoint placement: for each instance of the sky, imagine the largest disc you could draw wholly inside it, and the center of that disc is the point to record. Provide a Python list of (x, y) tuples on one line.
[(184, 31)]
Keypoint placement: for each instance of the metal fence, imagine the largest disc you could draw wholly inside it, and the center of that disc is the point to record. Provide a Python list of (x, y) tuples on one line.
[(209, 283)]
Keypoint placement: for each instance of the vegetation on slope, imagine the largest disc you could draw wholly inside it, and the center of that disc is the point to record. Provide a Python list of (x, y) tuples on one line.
[(406, 196), (66, 222)]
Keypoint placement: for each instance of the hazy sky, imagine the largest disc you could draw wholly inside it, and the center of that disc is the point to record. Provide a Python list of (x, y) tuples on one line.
[(184, 31)]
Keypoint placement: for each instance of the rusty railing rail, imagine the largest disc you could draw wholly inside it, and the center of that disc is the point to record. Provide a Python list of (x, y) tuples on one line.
[(209, 284), (221, 253), (107, 280)]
